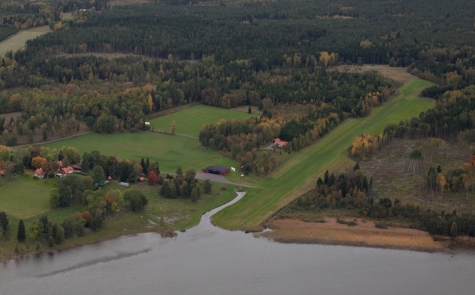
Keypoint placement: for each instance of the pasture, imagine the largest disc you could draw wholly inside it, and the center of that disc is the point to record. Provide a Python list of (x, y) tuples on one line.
[(18, 40), (170, 151), (190, 121), (299, 173), (23, 199)]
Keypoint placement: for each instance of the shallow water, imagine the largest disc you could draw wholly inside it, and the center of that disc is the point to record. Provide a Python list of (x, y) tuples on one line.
[(208, 260)]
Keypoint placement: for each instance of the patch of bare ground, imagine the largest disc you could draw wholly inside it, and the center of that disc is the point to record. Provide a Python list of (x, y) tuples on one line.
[(245, 109), (13, 115), (364, 233), (399, 74), (392, 179)]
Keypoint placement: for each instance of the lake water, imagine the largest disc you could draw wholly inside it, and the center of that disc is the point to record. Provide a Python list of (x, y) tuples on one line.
[(208, 260)]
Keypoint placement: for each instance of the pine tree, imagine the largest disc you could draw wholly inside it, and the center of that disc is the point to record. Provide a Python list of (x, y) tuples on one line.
[(21, 235), (147, 164)]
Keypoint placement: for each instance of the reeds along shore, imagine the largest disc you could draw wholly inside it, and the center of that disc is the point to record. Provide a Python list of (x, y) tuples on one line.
[(364, 234)]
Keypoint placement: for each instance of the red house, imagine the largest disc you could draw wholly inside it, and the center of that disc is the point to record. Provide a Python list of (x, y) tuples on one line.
[(219, 170)]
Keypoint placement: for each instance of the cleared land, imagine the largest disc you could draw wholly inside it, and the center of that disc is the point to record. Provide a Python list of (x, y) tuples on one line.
[(190, 121), (396, 73), (298, 174), (170, 151), (363, 234), (18, 40)]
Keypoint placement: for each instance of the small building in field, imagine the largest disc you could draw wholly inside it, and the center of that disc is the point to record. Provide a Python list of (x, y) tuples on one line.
[(219, 170), (40, 173), (280, 143), (2, 173)]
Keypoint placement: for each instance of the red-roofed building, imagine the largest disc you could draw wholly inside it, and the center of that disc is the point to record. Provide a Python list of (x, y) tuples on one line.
[(280, 143), (2, 173), (40, 173), (65, 171)]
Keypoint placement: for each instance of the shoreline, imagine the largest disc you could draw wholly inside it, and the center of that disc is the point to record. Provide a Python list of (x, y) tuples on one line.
[(83, 243), (364, 234)]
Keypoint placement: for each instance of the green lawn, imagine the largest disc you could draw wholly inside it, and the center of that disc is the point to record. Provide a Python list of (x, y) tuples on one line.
[(22, 199), (191, 120), (171, 151), (18, 40), (299, 173)]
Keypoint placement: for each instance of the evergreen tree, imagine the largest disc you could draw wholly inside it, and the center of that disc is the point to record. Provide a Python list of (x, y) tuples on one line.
[(3, 222), (147, 164), (21, 235)]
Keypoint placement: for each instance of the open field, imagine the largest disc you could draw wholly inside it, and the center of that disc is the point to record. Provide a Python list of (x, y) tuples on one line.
[(298, 174), (399, 74), (8, 116), (190, 121), (22, 199), (18, 40), (363, 234), (171, 151)]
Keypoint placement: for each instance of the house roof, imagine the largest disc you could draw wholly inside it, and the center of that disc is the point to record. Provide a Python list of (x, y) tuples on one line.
[(67, 170), (217, 168), (39, 171)]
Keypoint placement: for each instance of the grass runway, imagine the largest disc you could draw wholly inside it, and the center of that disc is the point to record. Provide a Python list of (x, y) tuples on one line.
[(299, 173)]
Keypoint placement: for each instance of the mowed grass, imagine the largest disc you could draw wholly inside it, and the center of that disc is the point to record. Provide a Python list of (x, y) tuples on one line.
[(18, 40), (299, 173), (190, 121), (171, 151), (22, 199)]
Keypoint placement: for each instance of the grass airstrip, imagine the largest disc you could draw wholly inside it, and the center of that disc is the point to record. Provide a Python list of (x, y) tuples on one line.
[(190, 121), (299, 173)]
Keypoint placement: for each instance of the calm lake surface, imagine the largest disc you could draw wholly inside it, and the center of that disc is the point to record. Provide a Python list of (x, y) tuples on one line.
[(208, 260)]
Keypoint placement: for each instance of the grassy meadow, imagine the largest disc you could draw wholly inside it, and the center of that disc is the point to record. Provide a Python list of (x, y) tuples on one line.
[(18, 40), (190, 121), (299, 173), (171, 151)]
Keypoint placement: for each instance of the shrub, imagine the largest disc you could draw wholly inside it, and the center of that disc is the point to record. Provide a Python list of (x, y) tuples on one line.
[(380, 225)]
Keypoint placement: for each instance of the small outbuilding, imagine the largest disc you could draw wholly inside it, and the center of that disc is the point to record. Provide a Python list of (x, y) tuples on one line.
[(219, 170)]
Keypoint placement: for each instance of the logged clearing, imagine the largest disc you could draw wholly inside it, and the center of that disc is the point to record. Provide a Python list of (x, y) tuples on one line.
[(13, 115), (363, 234), (299, 173), (18, 40), (191, 121), (399, 74)]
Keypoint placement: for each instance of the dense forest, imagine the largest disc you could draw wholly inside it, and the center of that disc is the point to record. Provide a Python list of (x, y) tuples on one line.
[(226, 55)]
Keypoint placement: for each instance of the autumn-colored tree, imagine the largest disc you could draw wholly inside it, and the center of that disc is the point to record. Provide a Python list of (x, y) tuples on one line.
[(86, 215), (38, 162), (152, 178), (173, 127)]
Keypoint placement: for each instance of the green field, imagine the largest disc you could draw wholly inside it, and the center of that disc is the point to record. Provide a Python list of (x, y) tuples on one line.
[(18, 40), (191, 120), (22, 199), (299, 173), (171, 151)]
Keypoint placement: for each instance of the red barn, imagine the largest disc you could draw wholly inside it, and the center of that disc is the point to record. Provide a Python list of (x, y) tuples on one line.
[(220, 170)]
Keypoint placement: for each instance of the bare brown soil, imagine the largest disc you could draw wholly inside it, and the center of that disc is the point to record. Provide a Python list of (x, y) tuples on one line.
[(396, 73), (244, 109), (363, 234), (8, 116)]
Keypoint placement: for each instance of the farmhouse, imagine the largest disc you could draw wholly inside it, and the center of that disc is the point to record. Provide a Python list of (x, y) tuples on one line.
[(40, 173), (65, 172), (280, 143), (220, 170)]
